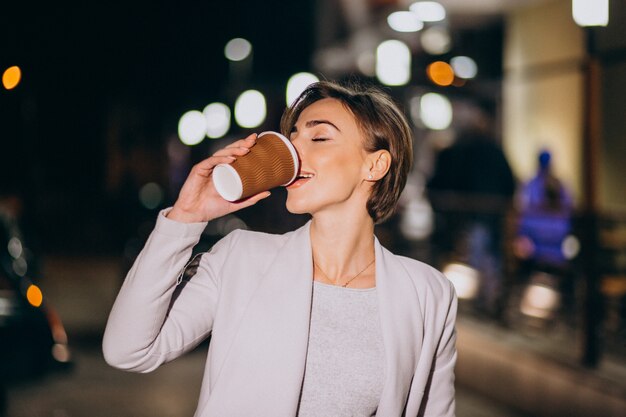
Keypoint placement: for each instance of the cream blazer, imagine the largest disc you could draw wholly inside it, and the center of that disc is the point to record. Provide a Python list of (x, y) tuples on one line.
[(252, 292)]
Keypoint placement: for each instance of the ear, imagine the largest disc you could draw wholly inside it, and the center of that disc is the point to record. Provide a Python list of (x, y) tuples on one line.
[(377, 165)]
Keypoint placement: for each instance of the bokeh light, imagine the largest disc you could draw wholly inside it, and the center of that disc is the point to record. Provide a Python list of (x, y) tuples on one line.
[(435, 111), (464, 67), (441, 73), (250, 109), (540, 301), (436, 40), (15, 247), (404, 22), (465, 279), (237, 49), (151, 195), (217, 116), (192, 127), (428, 11), (590, 12), (20, 266), (297, 83), (11, 77), (570, 247), (393, 63), (34, 295)]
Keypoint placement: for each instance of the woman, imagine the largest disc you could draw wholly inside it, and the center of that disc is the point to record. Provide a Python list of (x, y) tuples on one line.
[(321, 321)]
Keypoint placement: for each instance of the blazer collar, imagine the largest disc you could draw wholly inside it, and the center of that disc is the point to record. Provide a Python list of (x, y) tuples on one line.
[(402, 329)]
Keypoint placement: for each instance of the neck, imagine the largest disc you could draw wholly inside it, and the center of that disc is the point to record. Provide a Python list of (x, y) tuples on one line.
[(342, 245)]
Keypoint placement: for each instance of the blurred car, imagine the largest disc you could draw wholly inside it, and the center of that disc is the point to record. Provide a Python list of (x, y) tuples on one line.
[(33, 340)]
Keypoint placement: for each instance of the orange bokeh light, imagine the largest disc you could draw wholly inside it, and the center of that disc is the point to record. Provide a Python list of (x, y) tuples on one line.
[(34, 295), (11, 77), (440, 73)]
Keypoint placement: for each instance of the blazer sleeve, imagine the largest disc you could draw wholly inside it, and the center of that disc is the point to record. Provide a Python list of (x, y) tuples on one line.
[(154, 320), (440, 401)]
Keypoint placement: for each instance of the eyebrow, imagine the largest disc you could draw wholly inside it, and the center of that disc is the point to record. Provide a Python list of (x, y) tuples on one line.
[(313, 123)]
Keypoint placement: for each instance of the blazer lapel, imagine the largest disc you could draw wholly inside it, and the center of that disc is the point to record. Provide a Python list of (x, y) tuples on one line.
[(268, 354), (402, 330)]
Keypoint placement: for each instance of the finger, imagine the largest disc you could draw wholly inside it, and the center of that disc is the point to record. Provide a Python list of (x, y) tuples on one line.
[(212, 161), (252, 200), (235, 151), (247, 142)]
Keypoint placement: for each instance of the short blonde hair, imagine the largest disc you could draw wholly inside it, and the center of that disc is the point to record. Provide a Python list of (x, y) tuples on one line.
[(383, 125)]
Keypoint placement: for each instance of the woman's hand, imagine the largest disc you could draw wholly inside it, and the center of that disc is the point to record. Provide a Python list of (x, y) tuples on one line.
[(198, 200)]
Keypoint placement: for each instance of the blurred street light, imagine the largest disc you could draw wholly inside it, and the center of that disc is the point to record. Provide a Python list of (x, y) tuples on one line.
[(428, 11), (466, 280), (297, 83), (217, 116), (404, 22), (393, 63), (11, 77), (440, 73), (435, 111), (436, 40), (192, 127), (237, 49), (250, 109), (590, 12), (464, 67)]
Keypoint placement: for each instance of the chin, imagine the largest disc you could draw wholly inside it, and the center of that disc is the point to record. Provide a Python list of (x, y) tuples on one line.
[(296, 206)]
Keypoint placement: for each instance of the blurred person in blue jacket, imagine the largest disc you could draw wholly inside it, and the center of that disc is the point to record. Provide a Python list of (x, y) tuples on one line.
[(545, 208)]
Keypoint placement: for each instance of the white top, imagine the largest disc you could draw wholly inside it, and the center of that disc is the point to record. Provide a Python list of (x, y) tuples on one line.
[(344, 371)]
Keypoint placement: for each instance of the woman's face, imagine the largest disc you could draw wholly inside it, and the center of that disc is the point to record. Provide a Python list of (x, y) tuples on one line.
[(333, 160)]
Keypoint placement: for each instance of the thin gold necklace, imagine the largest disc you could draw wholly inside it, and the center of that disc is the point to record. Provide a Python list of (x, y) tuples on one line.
[(348, 281)]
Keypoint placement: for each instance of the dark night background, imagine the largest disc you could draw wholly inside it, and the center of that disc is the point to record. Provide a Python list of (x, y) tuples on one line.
[(84, 63)]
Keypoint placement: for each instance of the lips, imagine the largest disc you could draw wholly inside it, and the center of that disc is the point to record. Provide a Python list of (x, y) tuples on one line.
[(302, 178)]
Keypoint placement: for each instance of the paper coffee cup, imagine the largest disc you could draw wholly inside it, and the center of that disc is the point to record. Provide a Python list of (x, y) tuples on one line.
[(271, 162)]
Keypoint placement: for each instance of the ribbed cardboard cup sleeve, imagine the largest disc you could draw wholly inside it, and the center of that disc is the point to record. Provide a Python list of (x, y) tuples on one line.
[(271, 162)]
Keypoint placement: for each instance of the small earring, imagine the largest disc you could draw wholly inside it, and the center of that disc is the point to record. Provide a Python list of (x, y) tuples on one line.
[(370, 177)]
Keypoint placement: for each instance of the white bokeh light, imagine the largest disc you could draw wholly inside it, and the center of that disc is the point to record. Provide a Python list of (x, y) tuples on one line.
[(466, 280), (250, 109), (393, 63), (192, 127), (590, 12), (539, 301), (436, 40), (404, 22), (464, 67), (297, 83), (428, 11), (237, 49), (15, 247), (217, 117), (435, 111)]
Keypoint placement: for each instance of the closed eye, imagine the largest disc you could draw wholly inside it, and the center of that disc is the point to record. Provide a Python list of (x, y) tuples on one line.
[(319, 139)]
